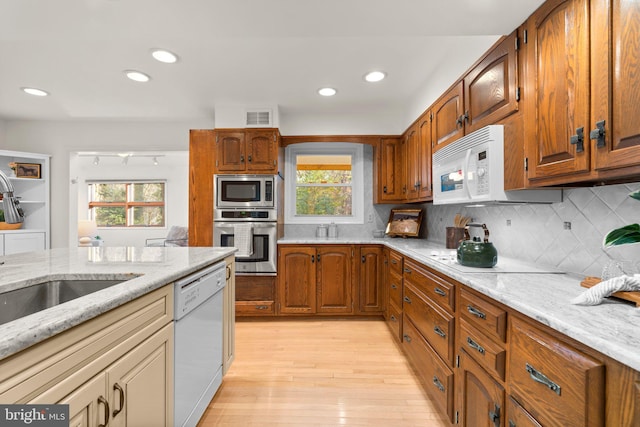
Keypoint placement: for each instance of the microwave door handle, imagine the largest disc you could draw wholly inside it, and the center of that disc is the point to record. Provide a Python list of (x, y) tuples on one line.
[(465, 173)]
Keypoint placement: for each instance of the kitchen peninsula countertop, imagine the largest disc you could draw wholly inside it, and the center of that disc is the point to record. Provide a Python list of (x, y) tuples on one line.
[(612, 328), (144, 268)]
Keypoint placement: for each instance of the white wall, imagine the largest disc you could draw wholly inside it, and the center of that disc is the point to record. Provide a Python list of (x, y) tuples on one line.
[(386, 122), (60, 139), (172, 166), (2, 132)]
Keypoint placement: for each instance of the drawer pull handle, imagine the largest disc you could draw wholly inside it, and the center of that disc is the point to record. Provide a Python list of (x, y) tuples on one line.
[(406, 270), (438, 384), (393, 286), (262, 307), (542, 379), (393, 261), (474, 345), (439, 331), (480, 315), (440, 292), (407, 300), (393, 318), (407, 338), (102, 400), (116, 387)]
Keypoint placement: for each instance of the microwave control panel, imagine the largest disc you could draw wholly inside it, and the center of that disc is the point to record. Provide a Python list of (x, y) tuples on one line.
[(478, 173)]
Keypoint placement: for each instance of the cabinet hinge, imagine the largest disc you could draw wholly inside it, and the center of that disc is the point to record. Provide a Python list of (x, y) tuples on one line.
[(517, 43), (526, 164), (457, 361), (457, 417), (518, 94), (274, 162), (216, 139), (274, 137), (217, 163), (431, 116), (353, 253), (525, 37)]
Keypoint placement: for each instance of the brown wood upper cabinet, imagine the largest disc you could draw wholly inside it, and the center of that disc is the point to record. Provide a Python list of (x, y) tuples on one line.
[(448, 122), (247, 151), (582, 90), (418, 166), (391, 179)]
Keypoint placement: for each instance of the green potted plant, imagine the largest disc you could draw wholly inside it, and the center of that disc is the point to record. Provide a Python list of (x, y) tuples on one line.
[(624, 235)]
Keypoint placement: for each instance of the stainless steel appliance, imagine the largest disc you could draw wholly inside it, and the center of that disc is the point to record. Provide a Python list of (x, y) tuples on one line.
[(263, 234), (245, 191), (198, 342), (470, 170)]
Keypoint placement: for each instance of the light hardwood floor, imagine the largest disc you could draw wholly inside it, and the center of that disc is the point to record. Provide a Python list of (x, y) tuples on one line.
[(322, 372)]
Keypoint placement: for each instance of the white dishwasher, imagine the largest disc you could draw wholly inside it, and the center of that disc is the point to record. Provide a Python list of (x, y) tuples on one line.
[(198, 342)]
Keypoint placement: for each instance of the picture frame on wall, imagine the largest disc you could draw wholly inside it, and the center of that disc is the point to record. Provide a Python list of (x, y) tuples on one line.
[(404, 222), (28, 170)]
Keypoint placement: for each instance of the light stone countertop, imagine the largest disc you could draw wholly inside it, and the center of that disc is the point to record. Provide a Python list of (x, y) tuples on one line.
[(147, 268), (612, 328)]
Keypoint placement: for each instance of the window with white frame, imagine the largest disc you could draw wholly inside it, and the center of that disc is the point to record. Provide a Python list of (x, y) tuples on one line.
[(127, 204), (324, 183)]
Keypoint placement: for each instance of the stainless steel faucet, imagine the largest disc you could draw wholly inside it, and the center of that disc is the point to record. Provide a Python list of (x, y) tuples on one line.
[(13, 213)]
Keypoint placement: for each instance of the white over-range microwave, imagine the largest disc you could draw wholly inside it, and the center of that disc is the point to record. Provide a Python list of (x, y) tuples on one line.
[(470, 171), (245, 191)]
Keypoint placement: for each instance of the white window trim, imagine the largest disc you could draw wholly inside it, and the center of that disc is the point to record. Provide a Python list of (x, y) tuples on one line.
[(357, 175)]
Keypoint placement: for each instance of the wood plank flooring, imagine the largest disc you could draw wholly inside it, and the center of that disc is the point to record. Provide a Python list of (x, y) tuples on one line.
[(319, 372)]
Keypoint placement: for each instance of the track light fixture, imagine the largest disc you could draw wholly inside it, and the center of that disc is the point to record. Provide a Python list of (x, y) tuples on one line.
[(155, 161), (96, 160)]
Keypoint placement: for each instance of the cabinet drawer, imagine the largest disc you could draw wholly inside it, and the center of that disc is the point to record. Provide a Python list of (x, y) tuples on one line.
[(483, 350), (395, 321), (395, 289), (483, 315), (555, 383), (435, 325), (517, 416), (255, 308), (435, 376), (395, 263), (439, 290)]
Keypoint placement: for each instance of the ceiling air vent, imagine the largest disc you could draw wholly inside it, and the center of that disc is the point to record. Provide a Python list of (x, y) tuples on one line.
[(259, 119)]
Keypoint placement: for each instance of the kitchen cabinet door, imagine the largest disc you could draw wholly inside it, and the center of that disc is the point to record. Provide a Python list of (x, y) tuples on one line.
[(412, 143), (334, 279), (391, 172), (140, 384), (557, 92), (490, 87), (448, 117), (370, 278), (87, 404), (230, 152), (615, 87), (201, 170), (262, 151), (482, 397), (297, 279), (425, 188)]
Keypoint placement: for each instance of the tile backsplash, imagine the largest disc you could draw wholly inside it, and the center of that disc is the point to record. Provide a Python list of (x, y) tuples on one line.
[(566, 235)]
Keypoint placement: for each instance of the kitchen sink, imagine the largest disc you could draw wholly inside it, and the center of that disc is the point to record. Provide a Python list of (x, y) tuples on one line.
[(25, 301)]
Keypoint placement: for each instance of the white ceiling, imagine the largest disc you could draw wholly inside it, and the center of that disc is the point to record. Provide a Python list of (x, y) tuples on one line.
[(240, 52)]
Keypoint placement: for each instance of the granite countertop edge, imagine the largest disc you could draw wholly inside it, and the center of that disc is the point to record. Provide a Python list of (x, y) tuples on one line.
[(156, 268), (610, 328)]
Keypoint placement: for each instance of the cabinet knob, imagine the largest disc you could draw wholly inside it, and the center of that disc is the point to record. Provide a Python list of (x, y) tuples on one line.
[(598, 133), (578, 140), (241, 159), (249, 159)]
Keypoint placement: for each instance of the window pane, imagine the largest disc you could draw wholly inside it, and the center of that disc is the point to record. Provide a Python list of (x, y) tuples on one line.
[(323, 201), (323, 169), (148, 215), (148, 192), (112, 216), (110, 193)]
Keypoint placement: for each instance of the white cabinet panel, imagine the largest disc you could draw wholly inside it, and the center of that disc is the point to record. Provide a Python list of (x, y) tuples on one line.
[(23, 242), (1, 245)]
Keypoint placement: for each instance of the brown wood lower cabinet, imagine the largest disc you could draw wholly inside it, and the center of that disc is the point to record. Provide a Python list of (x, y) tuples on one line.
[(482, 397), (255, 295), (557, 384)]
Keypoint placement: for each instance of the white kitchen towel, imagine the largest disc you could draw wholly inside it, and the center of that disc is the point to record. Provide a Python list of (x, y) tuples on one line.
[(596, 294), (243, 239)]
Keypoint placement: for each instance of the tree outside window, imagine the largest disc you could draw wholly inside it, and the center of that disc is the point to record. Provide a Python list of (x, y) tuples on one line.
[(127, 204)]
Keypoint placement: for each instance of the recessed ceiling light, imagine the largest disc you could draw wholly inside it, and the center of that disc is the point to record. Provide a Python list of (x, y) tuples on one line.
[(164, 56), (327, 91), (375, 76), (34, 91), (137, 76)]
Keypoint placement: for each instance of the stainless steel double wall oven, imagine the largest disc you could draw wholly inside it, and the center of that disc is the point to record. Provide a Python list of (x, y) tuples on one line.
[(247, 204)]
